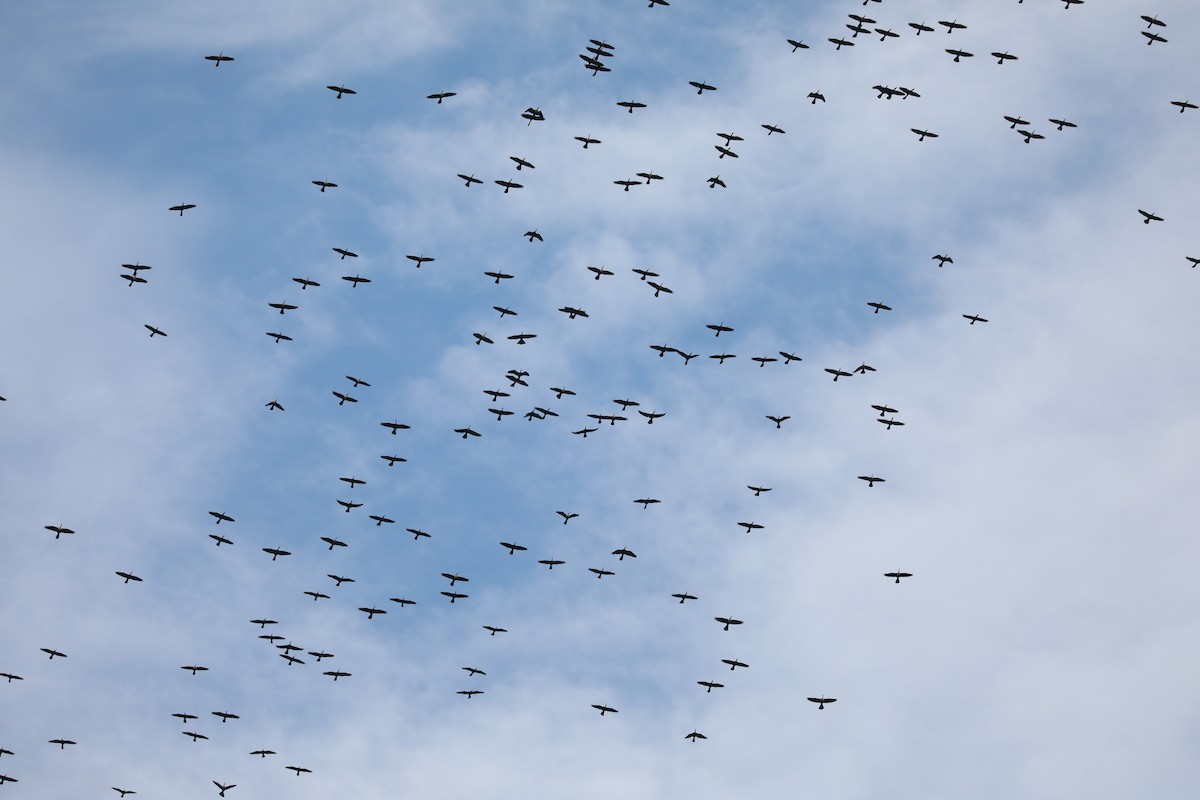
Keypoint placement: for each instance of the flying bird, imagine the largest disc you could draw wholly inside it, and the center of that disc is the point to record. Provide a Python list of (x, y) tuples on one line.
[(324, 185), (871, 480), (821, 701), (182, 207), (341, 90), (440, 96), (897, 575), (217, 59), (727, 621), (974, 318)]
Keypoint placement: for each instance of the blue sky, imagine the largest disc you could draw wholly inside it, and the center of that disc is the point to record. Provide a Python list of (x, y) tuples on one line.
[(1038, 490)]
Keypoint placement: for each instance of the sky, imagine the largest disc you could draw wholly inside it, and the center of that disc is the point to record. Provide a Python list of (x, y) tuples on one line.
[(1038, 490)]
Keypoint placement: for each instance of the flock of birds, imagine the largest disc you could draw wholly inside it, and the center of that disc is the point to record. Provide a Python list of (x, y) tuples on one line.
[(596, 59)]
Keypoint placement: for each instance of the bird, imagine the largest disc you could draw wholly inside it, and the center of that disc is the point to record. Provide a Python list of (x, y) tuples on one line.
[(821, 701), (129, 576), (440, 96), (701, 87), (1184, 105), (62, 743), (298, 770), (727, 621), (694, 735), (630, 105), (123, 792), (587, 140), (1002, 57), (897, 575), (469, 179), (59, 530), (52, 653), (734, 663), (684, 596), (154, 331), (1149, 217), (924, 134), (871, 480), (974, 318), (778, 420), (344, 253), (223, 787), (567, 516), (604, 709), (341, 90), (324, 185), (797, 45), (494, 630), (716, 181), (879, 307), (710, 685), (182, 207), (773, 129), (217, 59)]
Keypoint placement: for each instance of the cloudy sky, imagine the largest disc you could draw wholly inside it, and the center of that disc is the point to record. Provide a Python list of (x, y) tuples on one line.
[(1039, 490)]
